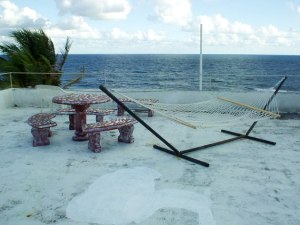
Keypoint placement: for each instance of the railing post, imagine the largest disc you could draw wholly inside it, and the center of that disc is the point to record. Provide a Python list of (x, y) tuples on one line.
[(10, 78)]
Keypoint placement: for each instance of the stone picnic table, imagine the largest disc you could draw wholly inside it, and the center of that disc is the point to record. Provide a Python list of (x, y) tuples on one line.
[(80, 102)]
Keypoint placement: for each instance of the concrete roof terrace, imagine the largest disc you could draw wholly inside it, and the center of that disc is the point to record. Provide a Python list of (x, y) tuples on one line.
[(65, 183)]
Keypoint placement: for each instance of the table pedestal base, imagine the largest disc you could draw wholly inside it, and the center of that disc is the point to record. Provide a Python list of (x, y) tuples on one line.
[(80, 120)]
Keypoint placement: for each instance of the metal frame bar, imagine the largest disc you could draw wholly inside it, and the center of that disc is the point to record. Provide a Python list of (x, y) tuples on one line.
[(174, 150)]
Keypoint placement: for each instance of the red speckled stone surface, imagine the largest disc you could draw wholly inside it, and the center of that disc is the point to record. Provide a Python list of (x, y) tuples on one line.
[(80, 102)]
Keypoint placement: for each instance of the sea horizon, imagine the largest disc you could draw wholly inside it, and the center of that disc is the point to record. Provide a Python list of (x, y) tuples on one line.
[(182, 71), (225, 72), (250, 54)]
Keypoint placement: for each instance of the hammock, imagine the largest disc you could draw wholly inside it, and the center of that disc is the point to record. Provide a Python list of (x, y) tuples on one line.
[(217, 111), (243, 109)]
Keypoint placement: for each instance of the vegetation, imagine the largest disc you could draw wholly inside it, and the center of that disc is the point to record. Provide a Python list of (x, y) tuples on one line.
[(32, 56)]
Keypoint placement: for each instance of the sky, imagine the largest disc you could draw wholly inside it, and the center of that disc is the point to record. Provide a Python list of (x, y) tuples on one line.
[(160, 26)]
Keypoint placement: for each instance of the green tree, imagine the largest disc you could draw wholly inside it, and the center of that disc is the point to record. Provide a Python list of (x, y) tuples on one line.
[(33, 51)]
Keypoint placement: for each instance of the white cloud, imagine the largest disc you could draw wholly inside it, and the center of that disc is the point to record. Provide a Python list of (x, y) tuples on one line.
[(271, 35), (270, 31), (149, 35), (177, 12), (219, 24), (96, 9), (11, 16), (238, 27), (154, 36), (74, 27), (294, 7), (118, 34), (219, 31), (85, 38)]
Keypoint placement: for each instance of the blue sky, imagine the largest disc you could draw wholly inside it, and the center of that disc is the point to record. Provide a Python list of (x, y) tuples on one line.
[(160, 26)]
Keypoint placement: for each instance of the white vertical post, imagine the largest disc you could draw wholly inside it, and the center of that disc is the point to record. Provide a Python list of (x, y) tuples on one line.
[(200, 67)]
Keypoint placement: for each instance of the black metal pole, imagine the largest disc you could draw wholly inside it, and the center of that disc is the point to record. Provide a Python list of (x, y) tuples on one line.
[(182, 156), (249, 137), (276, 91), (268, 103), (210, 145), (104, 89), (175, 151)]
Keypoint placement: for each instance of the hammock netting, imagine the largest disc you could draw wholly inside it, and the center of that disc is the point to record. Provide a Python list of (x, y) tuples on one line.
[(217, 111)]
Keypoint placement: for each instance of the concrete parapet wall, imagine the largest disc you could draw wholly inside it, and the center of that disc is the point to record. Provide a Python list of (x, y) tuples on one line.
[(42, 95), (6, 99), (29, 97)]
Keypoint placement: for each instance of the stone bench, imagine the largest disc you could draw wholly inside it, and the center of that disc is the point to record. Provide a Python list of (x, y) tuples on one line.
[(99, 113), (40, 130), (141, 109), (123, 124)]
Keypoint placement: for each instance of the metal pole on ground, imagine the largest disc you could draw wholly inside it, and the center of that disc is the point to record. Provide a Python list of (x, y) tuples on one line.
[(174, 150)]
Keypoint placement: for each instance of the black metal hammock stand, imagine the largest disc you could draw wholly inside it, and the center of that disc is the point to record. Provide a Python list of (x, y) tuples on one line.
[(181, 154)]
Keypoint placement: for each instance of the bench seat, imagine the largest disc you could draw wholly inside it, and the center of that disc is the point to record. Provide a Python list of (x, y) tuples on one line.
[(123, 124), (99, 113), (140, 109), (40, 130)]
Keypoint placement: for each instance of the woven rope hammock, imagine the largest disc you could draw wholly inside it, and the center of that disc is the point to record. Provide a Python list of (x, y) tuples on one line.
[(219, 108), (217, 111)]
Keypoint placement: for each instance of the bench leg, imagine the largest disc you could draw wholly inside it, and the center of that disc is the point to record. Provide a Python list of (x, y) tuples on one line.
[(121, 111), (150, 113), (126, 134), (40, 136), (94, 141), (50, 134), (99, 118), (72, 122)]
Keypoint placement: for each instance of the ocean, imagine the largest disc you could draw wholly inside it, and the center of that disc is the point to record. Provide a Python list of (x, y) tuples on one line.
[(181, 71)]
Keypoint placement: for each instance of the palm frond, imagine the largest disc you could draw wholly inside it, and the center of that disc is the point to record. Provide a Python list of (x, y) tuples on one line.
[(33, 51), (64, 55)]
